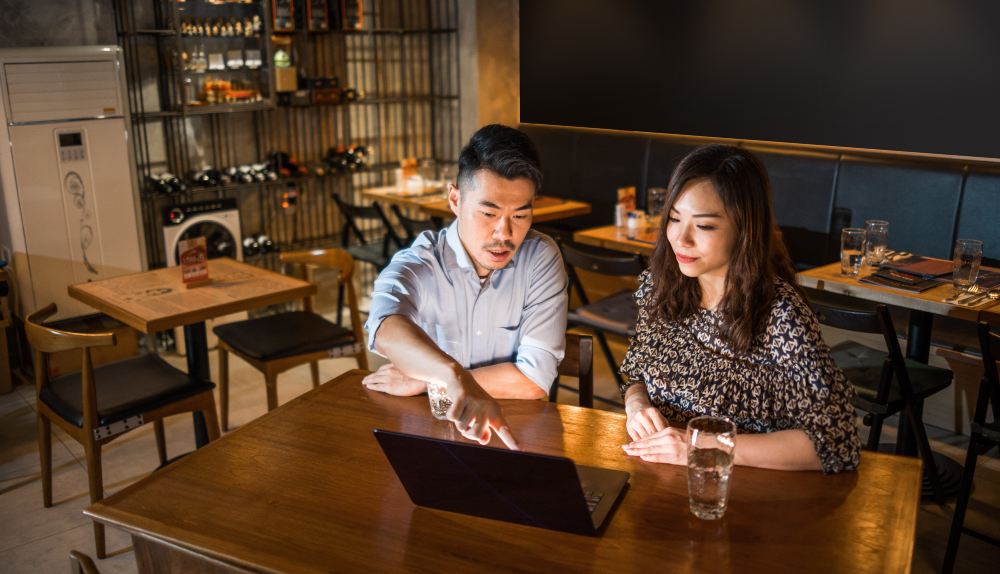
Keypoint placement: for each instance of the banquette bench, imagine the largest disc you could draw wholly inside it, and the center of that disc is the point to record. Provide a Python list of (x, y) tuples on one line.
[(929, 202)]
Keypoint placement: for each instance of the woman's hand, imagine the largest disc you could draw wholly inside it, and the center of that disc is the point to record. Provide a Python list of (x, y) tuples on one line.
[(666, 446), (642, 418)]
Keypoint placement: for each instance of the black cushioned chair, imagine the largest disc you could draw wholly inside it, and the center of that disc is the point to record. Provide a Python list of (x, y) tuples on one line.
[(412, 227), (276, 343), (99, 404), (616, 314), (985, 435), (886, 382), (578, 363)]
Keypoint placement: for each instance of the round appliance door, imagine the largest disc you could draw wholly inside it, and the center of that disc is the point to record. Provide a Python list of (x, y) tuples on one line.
[(218, 240)]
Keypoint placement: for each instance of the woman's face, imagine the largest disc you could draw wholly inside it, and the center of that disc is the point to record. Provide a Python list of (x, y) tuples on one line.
[(700, 231)]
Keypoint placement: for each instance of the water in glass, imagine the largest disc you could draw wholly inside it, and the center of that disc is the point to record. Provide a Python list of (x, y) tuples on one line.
[(876, 238), (967, 259), (440, 403), (852, 251), (708, 481)]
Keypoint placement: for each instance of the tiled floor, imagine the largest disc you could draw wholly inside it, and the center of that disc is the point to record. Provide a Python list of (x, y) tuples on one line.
[(34, 539)]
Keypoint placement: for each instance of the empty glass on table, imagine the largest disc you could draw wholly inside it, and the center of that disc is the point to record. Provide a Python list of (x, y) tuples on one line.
[(876, 238), (968, 257), (852, 251)]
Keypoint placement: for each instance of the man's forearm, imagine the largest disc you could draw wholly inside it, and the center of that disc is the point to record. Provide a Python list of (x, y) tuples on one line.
[(505, 381), (412, 351)]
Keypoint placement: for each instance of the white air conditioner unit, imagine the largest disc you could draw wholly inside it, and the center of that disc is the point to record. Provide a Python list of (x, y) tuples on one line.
[(70, 202)]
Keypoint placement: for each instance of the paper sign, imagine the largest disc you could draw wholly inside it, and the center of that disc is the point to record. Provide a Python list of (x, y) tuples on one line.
[(194, 259), (626, 198)]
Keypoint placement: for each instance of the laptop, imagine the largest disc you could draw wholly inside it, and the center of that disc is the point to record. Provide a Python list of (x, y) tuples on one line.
[(524, 488)]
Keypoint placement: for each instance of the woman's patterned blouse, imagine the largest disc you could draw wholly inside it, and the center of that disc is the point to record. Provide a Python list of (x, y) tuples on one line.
[(786, 381)]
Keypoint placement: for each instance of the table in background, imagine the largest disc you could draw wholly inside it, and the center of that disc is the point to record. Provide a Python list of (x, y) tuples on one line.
[(546, 209), (306, 488), (157, 300), (923, 307), (404, 199), (616, 238)]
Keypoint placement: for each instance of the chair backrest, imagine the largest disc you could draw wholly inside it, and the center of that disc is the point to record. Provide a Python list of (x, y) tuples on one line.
[(330, 259), (413, 227), (579, 363), (48, 340), (620, 265), (80, 563), (873, 322), (353, 213)]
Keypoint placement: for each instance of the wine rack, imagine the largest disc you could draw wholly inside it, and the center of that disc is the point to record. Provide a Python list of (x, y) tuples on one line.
[(404, 61)]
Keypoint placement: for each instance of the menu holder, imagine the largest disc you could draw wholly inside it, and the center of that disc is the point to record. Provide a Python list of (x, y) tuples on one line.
[(902, 281), (919, 265), (194, 262)]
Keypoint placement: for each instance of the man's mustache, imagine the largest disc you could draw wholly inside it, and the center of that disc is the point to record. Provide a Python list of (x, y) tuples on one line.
[(506, 243)]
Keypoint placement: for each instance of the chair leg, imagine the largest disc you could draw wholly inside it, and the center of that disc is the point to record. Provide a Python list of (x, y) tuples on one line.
[(96, 490), (961, 505), (362, 358), (271, 381), (224, 387), (609, 357), (45, 456), (876, 433), (211, 421), (161, 441), (554, 391), (314, 370)]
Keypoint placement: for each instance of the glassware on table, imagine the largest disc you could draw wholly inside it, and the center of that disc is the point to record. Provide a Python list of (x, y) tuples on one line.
[(427, 169), (968, 257), (852, 251), (436, 392), (876, 238), (655, 198), (710, 442)]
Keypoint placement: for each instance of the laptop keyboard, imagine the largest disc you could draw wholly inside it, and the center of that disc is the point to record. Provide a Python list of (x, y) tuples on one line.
[(593, 497)]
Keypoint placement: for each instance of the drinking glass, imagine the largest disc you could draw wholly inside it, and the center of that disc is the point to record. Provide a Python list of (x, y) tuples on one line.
[(968, 257), (440, 403), (876, 237), (710, 442), (852, 251), (655, 198)]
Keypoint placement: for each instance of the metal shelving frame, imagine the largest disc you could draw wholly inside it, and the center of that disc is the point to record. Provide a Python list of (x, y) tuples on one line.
[(405, 62)]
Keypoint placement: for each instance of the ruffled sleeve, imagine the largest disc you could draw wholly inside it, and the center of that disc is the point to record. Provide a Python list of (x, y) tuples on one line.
[(814, 395), (637, 355)]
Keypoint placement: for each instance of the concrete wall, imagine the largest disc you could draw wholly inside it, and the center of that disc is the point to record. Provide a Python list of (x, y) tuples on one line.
[(31, 23), (489, 64)]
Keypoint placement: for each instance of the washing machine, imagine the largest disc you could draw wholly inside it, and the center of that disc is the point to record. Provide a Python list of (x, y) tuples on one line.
[(218, 222)]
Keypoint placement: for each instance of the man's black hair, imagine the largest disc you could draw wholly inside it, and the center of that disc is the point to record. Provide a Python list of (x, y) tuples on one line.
[(502, 150)]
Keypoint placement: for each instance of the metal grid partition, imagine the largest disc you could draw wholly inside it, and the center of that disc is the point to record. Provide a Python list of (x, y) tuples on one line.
[(404, 61)]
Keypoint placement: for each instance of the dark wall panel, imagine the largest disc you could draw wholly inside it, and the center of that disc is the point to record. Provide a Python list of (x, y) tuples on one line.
[(899, 75)]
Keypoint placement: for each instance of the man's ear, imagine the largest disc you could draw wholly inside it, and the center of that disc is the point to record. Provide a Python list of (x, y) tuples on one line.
[(454, 196)]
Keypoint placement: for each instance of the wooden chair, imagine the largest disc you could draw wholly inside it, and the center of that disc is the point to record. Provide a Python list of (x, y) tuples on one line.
[(412, 227), (579, 363), (985, 435), (616, 314), (80, 563), (279, 342), (886, 383), (97, 405)]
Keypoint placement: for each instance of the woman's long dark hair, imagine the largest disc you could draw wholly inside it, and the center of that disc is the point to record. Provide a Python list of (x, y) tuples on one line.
[(759, 256)]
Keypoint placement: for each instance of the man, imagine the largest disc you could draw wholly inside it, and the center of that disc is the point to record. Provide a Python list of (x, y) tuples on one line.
[(488, 282)]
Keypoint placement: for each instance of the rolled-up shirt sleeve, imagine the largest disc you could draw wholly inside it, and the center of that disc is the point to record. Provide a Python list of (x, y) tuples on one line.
[(397, 291), (542, 343)]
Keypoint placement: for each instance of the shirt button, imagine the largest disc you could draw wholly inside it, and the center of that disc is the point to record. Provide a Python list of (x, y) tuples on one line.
[(479, 332)]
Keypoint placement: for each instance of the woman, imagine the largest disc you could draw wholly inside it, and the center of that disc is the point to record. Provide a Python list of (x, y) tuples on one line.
[(724, 331)]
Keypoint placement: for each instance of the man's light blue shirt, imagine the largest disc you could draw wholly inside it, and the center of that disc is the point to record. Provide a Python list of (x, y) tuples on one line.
[(518, 316)]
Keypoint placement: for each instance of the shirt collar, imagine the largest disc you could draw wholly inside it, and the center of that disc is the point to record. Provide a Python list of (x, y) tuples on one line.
[(456, 257)]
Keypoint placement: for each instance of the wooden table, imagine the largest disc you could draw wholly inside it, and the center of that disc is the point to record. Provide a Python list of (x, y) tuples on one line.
[(616, 238), (548, 212), (157, 300), (405, 200), (306, 489)]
